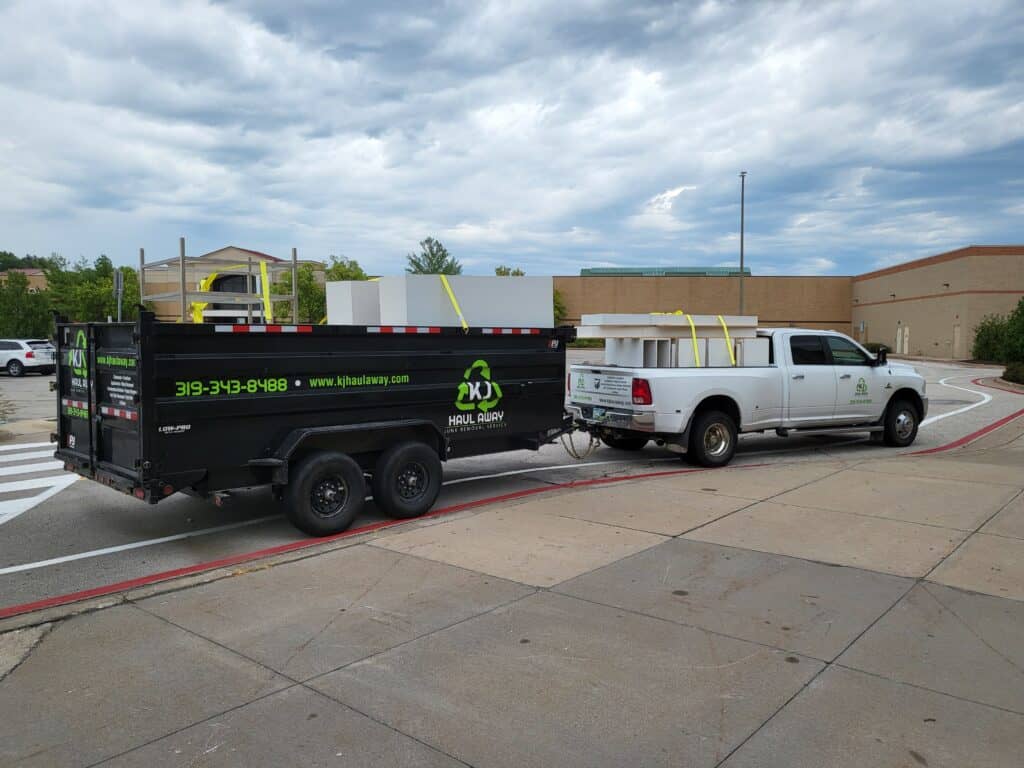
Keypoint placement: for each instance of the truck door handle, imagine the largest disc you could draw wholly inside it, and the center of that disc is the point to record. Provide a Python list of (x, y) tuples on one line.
[(798, 376), (845, 376)]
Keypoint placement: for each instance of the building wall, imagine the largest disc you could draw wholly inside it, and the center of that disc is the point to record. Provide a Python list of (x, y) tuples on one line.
[(811, 302), (941, 299)]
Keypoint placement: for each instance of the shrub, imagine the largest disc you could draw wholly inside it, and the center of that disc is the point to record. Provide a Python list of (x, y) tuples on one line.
[(587, 344), (990, 339), (1014, 372), (873, 347)]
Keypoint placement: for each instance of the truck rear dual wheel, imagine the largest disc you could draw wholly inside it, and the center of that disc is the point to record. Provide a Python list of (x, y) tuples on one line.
[(713, 437), (326, 493), (624, 443), (407, 479)]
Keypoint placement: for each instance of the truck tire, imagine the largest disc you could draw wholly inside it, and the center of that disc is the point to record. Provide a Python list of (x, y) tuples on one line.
[(407, 479), (901, 422), (712, 439), (15, 368), (624, 443), (325, 494)]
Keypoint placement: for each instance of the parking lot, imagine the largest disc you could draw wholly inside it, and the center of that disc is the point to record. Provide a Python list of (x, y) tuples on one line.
[(823, 602)]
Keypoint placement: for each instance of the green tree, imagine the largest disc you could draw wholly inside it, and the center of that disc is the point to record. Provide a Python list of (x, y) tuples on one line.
[(560, 310), (503, 271), (24, 313), (85, 293), (433, 259), (341, 268)]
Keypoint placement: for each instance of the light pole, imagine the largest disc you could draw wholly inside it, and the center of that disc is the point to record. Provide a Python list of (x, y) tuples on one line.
[(743, 195)]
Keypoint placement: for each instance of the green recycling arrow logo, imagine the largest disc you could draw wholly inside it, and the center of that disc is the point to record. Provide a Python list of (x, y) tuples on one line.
[(481, 394), (862, 387)]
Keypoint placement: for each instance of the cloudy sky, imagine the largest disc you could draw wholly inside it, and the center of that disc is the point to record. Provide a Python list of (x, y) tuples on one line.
[(551, 135)]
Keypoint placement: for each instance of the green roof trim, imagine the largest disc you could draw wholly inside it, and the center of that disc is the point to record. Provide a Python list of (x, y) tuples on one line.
[(662, 271)]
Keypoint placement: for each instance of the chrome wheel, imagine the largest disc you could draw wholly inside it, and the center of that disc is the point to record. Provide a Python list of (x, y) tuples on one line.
[(717, 440), (412, 481), (328, 496), (904, 425)]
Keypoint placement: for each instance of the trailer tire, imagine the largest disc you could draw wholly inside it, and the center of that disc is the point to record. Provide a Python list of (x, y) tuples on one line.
[(901, 422), (312, 500), (624, 443), (407, 480), (712, 439)]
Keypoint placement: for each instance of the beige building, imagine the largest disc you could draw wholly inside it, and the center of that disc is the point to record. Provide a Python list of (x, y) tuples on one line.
[(928, 307)]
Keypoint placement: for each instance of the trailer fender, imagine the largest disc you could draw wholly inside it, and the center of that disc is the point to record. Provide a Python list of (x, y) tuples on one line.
[(368, 438)]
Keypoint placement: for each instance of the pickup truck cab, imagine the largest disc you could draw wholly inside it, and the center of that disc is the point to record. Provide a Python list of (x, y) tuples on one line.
[(815, 381)]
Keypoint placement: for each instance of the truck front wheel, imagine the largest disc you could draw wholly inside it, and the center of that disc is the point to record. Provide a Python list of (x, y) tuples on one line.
[(326, 494), (407, 479), (900, 424), (712, 439)]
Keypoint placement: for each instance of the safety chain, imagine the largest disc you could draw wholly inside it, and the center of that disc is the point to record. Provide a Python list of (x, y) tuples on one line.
[(572, 450)]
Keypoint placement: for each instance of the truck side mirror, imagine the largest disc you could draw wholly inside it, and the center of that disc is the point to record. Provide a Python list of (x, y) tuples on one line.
[(880, 357)]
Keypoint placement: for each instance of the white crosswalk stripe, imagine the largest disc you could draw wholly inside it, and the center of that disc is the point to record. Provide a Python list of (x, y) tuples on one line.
[(20, 459)]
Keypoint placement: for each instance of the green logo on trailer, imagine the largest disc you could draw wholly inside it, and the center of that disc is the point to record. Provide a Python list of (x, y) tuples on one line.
[(862, 387), (76, 355), (477, 391)]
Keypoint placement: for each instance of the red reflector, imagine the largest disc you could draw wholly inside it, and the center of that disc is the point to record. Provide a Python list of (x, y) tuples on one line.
[(140, 493), (30, 353), (168, 490), (568, 382), (642, 392)]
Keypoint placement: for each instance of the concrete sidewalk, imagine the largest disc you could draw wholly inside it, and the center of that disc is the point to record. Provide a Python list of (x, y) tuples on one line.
[(803, 614)]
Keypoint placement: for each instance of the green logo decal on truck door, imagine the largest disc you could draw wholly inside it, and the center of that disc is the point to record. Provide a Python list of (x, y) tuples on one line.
[(477, 391), (862, 387)]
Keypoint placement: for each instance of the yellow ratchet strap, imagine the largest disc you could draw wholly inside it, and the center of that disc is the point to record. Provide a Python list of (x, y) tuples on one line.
[(454, 301), (268, 307), (728, 341), (693, 336)]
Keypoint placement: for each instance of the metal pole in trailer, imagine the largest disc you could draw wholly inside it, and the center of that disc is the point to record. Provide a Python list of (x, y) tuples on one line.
[(181, 267), (743, 196), (295, 286), (248, 289), (142, 275)]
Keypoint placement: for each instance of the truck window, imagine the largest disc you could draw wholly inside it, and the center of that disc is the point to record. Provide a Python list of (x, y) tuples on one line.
[(807, 350), (845, 352)]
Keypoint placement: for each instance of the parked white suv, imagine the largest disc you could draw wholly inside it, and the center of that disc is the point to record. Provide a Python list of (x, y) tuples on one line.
[(21, 356)]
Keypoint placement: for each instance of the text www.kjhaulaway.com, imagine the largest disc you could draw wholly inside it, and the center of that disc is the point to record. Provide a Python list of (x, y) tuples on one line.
[(363, 380)]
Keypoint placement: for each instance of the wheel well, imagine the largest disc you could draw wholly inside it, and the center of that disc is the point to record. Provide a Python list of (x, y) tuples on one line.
[(364, 445), (722, 403), (910, 395)]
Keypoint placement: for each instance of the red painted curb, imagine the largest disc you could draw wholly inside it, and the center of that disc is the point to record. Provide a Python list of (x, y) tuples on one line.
[(121, 586), (980, 383)]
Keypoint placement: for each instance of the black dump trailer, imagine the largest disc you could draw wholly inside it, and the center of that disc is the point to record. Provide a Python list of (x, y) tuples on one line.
[(152, 408)]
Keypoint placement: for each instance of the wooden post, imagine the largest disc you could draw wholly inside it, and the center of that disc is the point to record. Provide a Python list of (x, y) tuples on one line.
[(181, 265), (295, 286)]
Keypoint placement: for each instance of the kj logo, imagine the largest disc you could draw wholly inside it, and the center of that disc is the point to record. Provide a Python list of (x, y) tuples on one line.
[(477, 391), (76, 355), (862, 387)]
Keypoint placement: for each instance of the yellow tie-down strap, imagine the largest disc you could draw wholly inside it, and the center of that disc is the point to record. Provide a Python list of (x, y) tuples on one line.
[(728, 341), (693, 337), (454, 301), (268, 305)]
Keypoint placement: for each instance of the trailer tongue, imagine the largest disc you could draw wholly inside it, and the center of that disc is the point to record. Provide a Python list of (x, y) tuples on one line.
[(152, 408)]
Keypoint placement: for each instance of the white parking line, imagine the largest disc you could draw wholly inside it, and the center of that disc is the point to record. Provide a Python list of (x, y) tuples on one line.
[(23, 446), (11, 509), (24, 469), (985, 398), (7, 458)]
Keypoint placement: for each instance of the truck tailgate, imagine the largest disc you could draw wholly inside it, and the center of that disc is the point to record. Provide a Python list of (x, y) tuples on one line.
[(601, 386)]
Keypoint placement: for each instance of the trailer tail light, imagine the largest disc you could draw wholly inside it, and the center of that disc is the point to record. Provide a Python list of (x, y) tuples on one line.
[(140, 493), (642, 392), (30, 354)]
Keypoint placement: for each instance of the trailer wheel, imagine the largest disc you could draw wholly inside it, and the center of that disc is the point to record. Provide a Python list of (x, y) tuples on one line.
[(624, 443), (326, 494), (407, 479), (712, 439)]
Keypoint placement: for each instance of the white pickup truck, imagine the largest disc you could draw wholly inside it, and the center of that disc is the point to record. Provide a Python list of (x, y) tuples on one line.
[(816, 381)]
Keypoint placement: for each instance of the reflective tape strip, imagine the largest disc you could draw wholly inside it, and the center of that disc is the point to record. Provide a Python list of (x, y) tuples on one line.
[(728, 341), (263, 328), (510, 331), (403, 329), (74, 403), (120, 413), (693, 336)]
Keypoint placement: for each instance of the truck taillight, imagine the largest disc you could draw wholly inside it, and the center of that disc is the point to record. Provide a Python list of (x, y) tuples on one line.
[(30, 354), (642, 392), (568, 382)]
